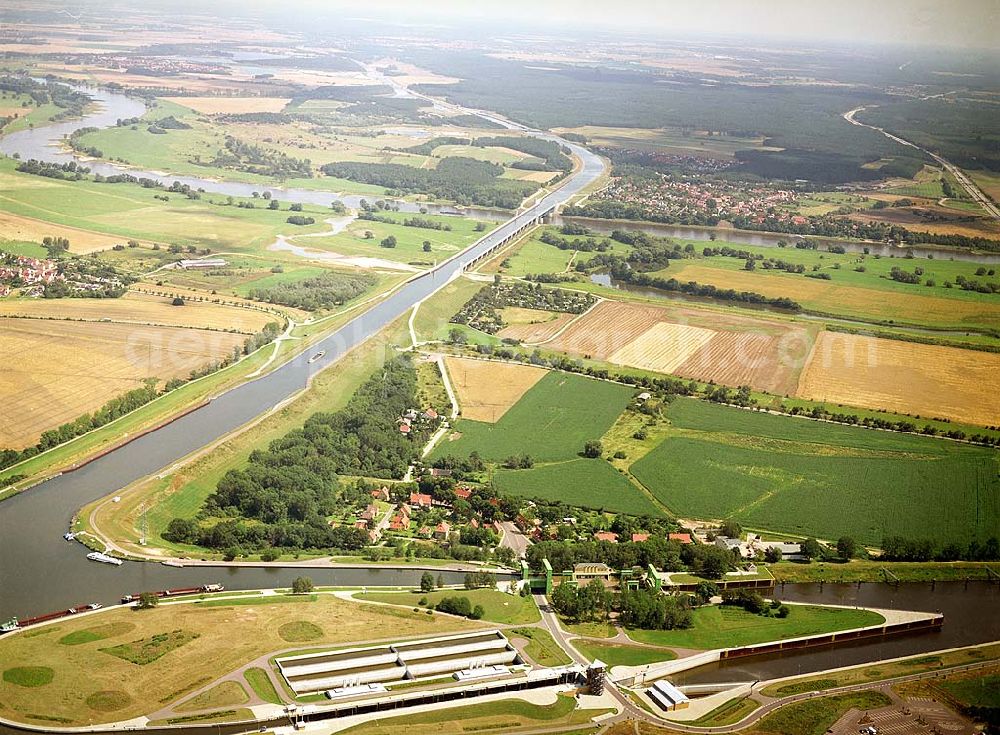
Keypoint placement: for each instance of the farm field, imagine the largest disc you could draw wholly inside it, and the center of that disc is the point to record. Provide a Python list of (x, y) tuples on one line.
[(532, 325), (692, 343), (219, 638), (487, 390), (866, 296), (230, 105), (587, 483), (433, 315), (814, 479), (50, 367), (904, 377), (141, 308), (531, 255), (16, 227), (666, 140), (581, 408), (719, 626)]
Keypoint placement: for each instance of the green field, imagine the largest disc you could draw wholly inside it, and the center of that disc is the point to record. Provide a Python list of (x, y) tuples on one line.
[(541, 647), (587, 483), (980, 691), (551, 422), (814, 716), (500, 607), (614, 654), (131, 211), (409, 240), (817, 479), (718, 626)]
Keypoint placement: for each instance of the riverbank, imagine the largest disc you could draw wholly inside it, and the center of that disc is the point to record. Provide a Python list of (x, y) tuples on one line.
[(892, 572)]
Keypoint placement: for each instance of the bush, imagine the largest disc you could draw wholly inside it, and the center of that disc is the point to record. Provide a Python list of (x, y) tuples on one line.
[(302, 585)]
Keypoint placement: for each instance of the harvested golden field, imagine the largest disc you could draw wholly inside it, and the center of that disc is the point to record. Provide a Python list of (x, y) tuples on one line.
[(140, 308), (532, 325), (54, 371), (16, 227), (486, 390), (928, 380), (839, 299), (208, 640), (231, 105), (693, 343), (663, 347)]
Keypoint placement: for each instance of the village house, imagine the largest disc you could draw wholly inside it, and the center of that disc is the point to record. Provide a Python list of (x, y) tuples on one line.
[(682, 538), (463, 492), (381, 494), (738, 546), (639, 537), (421, 500), (442, 531), (370, 513), (608, 536)]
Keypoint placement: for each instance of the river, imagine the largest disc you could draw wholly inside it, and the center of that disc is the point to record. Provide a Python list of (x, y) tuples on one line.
[(39, 572)]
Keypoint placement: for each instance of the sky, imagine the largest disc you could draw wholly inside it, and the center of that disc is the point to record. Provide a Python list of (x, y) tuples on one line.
[(938, 22)]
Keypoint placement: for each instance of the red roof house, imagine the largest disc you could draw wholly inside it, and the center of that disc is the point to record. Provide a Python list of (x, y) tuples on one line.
[(421, 500), (606, 536), (637, 537), (684, 538)]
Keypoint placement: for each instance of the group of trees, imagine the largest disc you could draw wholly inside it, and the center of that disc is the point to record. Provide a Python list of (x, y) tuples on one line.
[(482, 310), (319, 292), (255, 159), (70, 171), (282, 496), (900, 548), (586, 602), (458, 179), (706, 560)]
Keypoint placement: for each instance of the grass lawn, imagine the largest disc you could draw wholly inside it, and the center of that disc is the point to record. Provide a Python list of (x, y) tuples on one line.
[(588, 483), (261, 684), (883, 670), (979, 691), (789, 475), (858, 570), (541, 647), (227, 637), (551, 422), (727, 713), (718, 626), (614, 654), (225, 694), (487, 717), (813, 717), (500, 607)]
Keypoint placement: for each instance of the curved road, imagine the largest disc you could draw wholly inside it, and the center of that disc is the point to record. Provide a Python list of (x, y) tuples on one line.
[(40, 572), (968, 184)]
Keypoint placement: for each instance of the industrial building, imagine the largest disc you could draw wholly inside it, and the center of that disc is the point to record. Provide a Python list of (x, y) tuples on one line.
[(668, 696), (466, 656)]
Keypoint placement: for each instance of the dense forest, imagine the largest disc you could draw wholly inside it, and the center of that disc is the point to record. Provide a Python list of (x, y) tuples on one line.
[(283, 495), (320, 292), (457, 179)]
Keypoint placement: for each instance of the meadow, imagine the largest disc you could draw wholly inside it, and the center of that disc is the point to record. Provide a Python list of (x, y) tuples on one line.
[(499, 607), (551, 422), (130, 211), (584, 483), (210, 641), (816, 479), (720, 626)]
